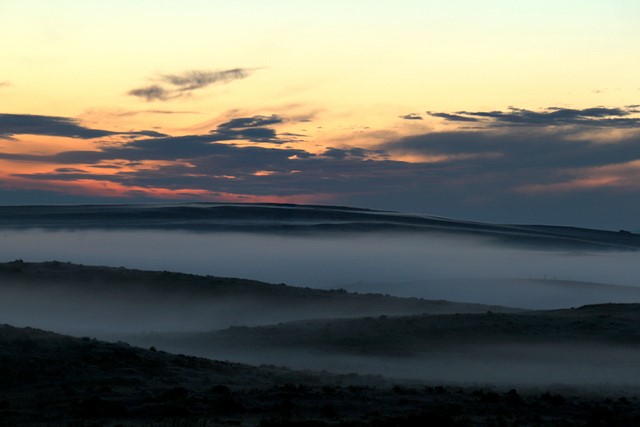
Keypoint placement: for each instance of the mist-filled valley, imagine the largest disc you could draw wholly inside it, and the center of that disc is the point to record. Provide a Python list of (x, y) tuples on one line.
[(591, 346), (105, 301), (427, 265), (408, 339), (442, 302)]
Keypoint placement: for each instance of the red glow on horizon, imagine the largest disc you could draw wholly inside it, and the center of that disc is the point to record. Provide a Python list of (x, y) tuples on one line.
[(110, 189)]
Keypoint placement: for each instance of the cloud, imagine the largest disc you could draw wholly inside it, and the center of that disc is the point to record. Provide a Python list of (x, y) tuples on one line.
[(192, 80), (552, 116), (184, 83), (27, 124), (516, 149), (249, 128), (152, 93), (200, 163), (253, 170), (255, 121), (520, 175), (159, 146), (69, 170), (352, 153), (453, 117), (535, 173), (6, 84), (411, 116)]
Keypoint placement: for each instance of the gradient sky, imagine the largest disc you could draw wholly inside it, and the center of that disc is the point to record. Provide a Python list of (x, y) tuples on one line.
[(500, 111)]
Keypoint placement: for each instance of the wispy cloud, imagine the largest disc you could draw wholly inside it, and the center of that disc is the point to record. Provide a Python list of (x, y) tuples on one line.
[(178, 85), (6, 84), (411, 116), (192, 80), (253, 129), (453, 117), (516, 150), (152, 93), (552, 116), (249, 122), (28, 124)]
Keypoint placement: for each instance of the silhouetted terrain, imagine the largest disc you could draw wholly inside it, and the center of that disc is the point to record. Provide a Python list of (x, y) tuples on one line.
[(49, 379), (81, 299), (392, 360), (589, 346), (333, 330), (607, 324), (286, 218)]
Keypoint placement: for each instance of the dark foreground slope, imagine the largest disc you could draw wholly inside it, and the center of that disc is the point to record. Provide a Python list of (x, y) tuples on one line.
[(285, 218), (591, 346), (49, 379), (84, 299)]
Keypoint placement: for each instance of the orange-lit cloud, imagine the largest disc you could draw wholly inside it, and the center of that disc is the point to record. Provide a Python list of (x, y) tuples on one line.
[(620, 176), (519, 151)]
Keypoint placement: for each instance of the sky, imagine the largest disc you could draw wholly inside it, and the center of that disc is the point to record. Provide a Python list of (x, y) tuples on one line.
[(500, 111)]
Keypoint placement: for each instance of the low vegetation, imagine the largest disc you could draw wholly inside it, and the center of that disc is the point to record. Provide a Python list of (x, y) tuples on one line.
[(49, 379)]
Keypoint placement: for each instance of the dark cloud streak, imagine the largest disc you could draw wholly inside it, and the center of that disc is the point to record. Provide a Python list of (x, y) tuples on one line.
[(553, 116), (453, 117), (152, 93), (187, 82), (517, 149), (197, 79), (255, 121), (27, 124), (411, 116)]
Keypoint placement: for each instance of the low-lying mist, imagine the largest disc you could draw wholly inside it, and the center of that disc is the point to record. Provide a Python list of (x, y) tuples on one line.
[(66, 310), (557, 365), (425, 265)]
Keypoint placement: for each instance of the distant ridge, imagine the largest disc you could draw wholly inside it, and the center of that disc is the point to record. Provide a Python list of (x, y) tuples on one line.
[(103, 280), (290, 218), (611, 324), (78, 298)]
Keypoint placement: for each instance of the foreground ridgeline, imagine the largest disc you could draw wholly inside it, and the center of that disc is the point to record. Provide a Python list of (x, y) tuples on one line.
[(50, 379)]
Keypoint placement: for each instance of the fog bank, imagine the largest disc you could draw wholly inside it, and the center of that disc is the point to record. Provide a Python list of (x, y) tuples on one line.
[(423, 265)]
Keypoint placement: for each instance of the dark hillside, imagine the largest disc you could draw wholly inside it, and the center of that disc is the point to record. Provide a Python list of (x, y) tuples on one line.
[(52, 380), (75, 298)]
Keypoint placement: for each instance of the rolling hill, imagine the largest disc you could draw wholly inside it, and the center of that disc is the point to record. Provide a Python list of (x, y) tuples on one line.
[(106, 300), (287, 218), (592, 346)]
